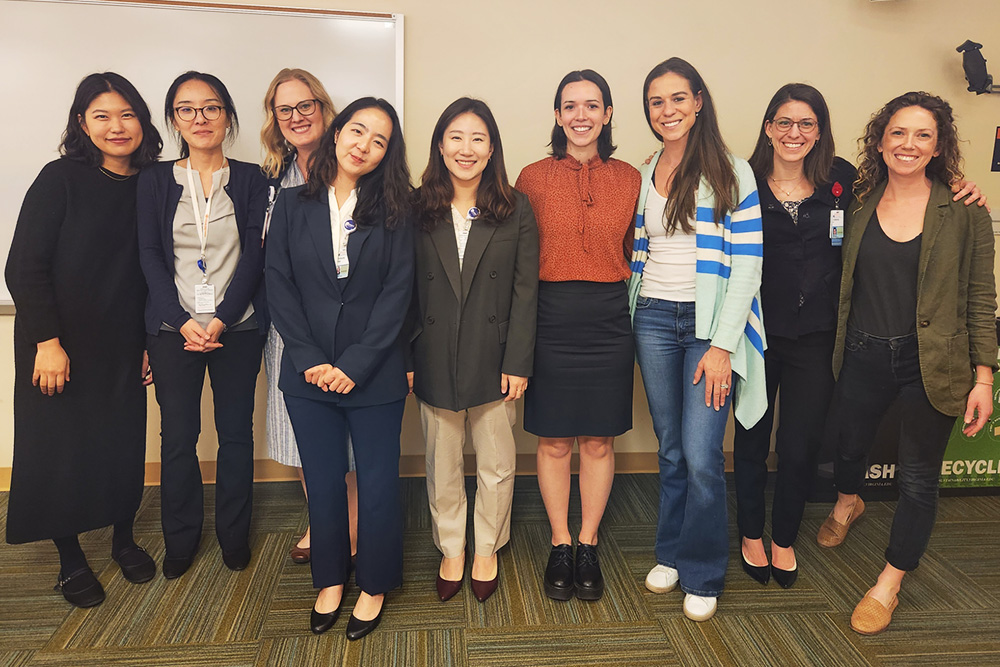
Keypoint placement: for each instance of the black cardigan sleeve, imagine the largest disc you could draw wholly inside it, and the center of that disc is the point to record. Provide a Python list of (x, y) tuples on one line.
[(29, 263)]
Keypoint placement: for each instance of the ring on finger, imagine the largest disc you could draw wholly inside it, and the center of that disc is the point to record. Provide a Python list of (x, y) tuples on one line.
[(724, 386)]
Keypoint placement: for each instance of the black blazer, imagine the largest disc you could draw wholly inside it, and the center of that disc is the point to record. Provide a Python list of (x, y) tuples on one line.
[(157, 199), (800, 282), (475, 324), (353, 323)]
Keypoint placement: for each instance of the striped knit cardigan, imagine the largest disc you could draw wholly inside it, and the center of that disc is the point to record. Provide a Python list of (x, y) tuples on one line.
[(727, 283)]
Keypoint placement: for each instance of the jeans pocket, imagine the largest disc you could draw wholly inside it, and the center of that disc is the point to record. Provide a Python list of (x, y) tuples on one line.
[(854, 341), (642, 302)]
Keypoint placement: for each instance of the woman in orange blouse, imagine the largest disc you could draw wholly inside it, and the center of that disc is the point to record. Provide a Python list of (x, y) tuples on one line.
[(581, 390)]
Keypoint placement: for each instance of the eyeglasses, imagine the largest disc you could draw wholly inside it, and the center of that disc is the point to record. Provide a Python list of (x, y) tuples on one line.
[(210, 112), (806, 125), (305, 108)]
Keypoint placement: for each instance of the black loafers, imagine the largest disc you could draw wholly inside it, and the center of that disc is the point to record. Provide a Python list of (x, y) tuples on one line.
[(589, 580), (175, 566), (136, 564), (356, 628), (558, 580), (238, 559), (81, 589)]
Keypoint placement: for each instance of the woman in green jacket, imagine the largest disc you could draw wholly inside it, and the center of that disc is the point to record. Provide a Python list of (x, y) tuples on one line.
[(915, 325)]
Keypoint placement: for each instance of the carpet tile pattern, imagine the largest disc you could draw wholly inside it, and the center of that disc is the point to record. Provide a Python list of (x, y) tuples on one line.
[(949, 612)]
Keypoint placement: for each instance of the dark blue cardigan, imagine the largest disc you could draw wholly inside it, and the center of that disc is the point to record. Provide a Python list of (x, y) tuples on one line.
[(157, 199)]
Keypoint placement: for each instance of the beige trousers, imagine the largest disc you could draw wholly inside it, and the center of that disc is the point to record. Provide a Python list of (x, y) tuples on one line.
[(493, 441)]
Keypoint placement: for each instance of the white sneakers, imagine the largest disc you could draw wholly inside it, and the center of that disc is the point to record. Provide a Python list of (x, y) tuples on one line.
[(699, 608), (663, 579)]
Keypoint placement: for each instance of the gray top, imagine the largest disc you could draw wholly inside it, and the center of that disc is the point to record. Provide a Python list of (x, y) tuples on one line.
[(222, 251)]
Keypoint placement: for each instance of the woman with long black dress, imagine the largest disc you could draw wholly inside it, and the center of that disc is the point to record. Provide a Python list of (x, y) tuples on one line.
[(73, 267)]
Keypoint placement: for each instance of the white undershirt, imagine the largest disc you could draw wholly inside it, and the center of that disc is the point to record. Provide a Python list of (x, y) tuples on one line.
[(463, 225), (338, 216), (669, 273)]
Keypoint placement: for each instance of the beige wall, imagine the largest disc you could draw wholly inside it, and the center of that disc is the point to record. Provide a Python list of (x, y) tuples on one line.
[(513, 53)]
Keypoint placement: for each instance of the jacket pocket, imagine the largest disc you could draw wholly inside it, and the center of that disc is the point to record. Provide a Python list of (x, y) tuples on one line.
[(503, 332)]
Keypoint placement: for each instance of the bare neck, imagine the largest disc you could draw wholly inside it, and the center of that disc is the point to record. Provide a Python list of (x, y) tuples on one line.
[(302, 161), (901, 188), (582, 154), (465, 194), (787, 171), (342, 186)]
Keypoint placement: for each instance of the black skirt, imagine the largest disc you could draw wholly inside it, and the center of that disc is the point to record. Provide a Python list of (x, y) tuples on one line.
[(584, 360)]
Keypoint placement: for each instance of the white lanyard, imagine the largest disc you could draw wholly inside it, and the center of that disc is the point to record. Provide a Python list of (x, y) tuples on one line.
[(200, 222)]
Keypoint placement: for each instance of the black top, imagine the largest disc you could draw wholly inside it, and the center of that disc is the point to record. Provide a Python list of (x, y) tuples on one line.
[(73, 270), (800, 283), (884, 302)]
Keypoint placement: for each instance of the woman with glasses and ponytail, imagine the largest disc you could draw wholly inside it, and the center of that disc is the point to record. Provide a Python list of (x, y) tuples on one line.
[(200, 228)]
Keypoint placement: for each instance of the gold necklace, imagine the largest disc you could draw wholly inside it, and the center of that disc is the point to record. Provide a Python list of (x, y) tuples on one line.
[(113, 176), (787, 193)]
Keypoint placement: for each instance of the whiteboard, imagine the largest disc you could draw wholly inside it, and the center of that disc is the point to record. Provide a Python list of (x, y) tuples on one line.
[(48, 46)]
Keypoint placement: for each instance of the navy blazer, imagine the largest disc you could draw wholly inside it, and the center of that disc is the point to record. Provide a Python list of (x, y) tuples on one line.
[(353, 323), (157, 199)]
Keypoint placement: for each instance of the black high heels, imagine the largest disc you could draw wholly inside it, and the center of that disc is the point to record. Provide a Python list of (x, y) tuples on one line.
[(785, 578), (759, 573), (320, 623)]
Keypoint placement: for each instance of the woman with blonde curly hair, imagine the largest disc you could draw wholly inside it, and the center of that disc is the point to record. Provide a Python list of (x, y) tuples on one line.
[(915, 326), (297, 111)]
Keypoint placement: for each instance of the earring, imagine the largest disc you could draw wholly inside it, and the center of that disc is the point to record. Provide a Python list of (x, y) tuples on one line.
[(769, 144)]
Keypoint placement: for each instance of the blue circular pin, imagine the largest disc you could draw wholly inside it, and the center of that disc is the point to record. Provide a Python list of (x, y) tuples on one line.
[(350, 225), (473, 213)]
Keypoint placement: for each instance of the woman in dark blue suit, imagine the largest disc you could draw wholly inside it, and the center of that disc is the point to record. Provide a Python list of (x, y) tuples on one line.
[(339, 278)]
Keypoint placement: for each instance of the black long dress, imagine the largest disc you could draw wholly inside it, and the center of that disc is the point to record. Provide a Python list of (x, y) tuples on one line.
[(73, 270)]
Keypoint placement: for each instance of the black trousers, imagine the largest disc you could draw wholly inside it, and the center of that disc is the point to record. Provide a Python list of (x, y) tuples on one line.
[(802, 369), (877, 372), (321, 430), (178, 377)]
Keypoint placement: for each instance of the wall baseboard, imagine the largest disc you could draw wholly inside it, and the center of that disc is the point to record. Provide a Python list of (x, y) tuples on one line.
[(266, 470)]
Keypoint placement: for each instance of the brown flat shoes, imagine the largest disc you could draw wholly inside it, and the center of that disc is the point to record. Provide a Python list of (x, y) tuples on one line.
[(832, 532), (871, 617)]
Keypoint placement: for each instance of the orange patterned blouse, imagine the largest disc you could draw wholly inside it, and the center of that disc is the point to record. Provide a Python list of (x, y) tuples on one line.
[(586, 215)]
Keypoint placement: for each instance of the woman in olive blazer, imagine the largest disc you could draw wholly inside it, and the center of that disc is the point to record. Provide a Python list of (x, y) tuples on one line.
[(915, 326), (475, 308)]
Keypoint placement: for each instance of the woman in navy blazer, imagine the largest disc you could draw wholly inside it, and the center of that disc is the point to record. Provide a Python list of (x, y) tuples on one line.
[(339, 278), (200, 220)]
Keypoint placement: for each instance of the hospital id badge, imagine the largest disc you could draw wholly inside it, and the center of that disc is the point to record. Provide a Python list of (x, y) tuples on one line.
[(204, 299), (837, 227)]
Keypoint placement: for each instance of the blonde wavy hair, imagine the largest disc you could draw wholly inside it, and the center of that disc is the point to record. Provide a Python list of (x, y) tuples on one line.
[(276, 149), (946, 166)]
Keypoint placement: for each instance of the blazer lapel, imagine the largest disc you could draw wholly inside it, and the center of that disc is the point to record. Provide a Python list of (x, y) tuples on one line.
[(355, 242), (443, 238), (859, 223), (317, 212), (937, 206), (479, 238)]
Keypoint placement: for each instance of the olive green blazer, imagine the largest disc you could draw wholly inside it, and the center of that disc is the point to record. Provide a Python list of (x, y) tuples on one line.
[(956, 294)]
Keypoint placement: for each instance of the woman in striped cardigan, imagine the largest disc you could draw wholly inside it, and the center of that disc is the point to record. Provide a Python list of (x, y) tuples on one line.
[(694, 290)]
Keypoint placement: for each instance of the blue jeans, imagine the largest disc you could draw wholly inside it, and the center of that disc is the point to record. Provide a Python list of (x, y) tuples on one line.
[(691, 533)]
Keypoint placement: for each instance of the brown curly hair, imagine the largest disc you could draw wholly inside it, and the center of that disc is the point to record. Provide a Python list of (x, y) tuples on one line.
[(946, 166)]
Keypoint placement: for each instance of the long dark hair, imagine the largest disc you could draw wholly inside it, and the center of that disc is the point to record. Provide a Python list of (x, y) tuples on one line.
[(946, 166), (704, 155), (384, 193), (817, 163), (76, 145), (605, 147), (495, 196), (220, 90)]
